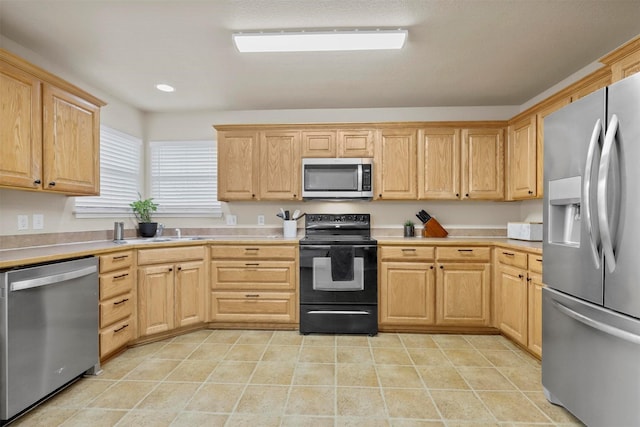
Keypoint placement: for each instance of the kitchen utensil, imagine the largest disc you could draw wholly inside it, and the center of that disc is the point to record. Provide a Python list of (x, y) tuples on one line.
[(296, 214), (420, 217), (282, 213), (286, 215), (118, 231)]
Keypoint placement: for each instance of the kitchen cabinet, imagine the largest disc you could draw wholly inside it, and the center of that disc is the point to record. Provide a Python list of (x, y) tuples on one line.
[(254, 284), (172, 288), (623, 61), (279, 165), (534, 305), (439, 163), (319, 143), (483, 164), (463, 286), (117, 304), (50, 131), (356, 142), (395, 164), (238, 165), (407, 286), (522, 159)]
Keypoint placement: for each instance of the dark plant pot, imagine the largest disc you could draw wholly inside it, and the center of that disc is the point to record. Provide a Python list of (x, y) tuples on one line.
[(409, 231), (147, 229)]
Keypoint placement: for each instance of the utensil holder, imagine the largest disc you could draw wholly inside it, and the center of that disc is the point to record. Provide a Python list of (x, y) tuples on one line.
[(432, 228), (290, 229)]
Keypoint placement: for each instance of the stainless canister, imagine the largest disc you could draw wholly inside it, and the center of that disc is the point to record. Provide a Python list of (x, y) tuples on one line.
[(118, 231)]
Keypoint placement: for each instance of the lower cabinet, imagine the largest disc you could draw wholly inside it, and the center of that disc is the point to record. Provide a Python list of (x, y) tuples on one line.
[(463, 294), (407, 293)]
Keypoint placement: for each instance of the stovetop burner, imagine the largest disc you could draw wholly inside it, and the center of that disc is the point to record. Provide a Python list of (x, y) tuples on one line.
[(337, 229)]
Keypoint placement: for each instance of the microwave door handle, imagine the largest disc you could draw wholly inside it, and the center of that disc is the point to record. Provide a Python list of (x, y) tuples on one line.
[(359, 178)]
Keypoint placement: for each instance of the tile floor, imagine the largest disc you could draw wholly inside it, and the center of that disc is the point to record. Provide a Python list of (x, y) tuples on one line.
[(266, 378)]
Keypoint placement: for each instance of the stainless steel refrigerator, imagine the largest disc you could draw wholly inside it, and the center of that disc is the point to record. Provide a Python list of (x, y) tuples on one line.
[(591, 248)]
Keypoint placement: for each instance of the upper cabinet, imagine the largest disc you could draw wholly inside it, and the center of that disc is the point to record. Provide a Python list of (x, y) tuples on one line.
[(50, 131), (521, 160), (439, 163), (624, 61), (280, 165), (395, 165), (238, 165), (483, 164), (338, 143)]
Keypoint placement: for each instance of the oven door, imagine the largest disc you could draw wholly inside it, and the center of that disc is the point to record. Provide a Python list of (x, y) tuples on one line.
[(318, 287)]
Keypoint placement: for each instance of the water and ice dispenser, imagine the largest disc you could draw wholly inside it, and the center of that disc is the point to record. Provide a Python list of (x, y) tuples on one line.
[(565, 198)]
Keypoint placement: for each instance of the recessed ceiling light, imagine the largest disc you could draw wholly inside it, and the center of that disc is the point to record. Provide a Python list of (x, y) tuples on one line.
[(313, 41), (165, 87)]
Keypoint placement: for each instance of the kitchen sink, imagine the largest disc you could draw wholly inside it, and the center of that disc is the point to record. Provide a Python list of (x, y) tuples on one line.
[(162, 239)]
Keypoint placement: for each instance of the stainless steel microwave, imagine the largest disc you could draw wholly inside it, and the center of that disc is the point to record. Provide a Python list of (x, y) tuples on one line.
[(343, 178)]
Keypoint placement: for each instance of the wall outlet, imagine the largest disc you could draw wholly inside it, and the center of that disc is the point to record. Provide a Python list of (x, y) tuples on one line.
[(38, 221), (260, 219), (23, 222), (232, 219)]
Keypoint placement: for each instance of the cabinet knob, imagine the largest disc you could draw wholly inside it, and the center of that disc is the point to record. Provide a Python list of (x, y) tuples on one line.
[(457, 194), (170, 269), (37, 182), (466, 195), (295, 195), (179, 268), (431, 267), (253, 196), (380, 196), (52, 184), (442, 267), (530, 192), (520, 276), (528, 279)]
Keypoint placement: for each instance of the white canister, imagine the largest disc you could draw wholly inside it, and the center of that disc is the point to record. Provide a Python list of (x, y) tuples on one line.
[(290, 229)]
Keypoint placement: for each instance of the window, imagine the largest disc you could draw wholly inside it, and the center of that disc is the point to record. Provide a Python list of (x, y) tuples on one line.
[(120, 176), (183, 178)]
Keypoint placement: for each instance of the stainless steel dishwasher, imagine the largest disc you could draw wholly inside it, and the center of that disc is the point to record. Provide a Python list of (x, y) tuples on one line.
[(48, 330)]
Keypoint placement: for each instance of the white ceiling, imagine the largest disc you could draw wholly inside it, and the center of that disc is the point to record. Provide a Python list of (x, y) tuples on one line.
[(459, 52)]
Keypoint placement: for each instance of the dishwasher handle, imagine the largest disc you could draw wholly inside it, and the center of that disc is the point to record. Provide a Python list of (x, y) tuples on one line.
[(54, 278)]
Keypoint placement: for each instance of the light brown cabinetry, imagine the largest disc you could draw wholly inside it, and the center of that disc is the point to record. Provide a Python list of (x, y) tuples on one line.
[(50, 131), (535, 304), (254, 284), (172, 288), (338, 143), (439, 163), (522, 159), (483, 164), (117, 302), (624, 61), (395, 164), (279, 165), (238, 165)]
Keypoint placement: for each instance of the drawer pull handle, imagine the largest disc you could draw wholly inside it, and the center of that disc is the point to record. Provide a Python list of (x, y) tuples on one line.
[(121, 328), (252, 264), (252, 295), (251, 249), (120, 258), (121, 302), (539, 259), (121, 276), (408, 249), (465, 250), (508, 254)]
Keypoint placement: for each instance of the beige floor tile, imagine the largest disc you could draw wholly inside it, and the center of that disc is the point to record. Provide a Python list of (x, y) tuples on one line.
[(311, 400), (281, 353), (429, 357), (317, 354), (485, 378), (512, 407), (286, 338), (262, 399), (245, 352), (143, 351), (255, 337), (314, 374), (232, 372), (396, 422), (354, 355), (273, 373), (446, 341), (94, 418), (80, 393), (146, 418), (356, 375), (210, 351), (361, 422), (44, 416), (253, 420), (178, 350), (197, 337), (169, 396), (215, 398), (119, 367), (466, 357), (352, 341), (223, 336), (391, 356), (410, 403), (557, 414), (123, 395), (152, 370), (460, 405), (488, 342), (385, 340), (524, 377), (504, 358), (199, 419), (306, 421), (442, 377), (398, 376), (360, 402), (418, 341), (192, 370), (321, 340)]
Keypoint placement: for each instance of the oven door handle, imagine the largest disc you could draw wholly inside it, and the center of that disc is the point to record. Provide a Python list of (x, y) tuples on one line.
[(338, 312), (329, 246)]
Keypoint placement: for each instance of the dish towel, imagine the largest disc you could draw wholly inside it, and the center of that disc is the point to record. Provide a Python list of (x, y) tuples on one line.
[(341, 263)]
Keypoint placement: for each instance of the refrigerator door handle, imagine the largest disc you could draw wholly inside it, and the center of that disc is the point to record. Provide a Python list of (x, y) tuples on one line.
[(603, 327), (596, 136), (603, 181)]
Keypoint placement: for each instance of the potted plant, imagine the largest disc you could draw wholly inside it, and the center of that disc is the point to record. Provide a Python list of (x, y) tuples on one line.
[(409, 229), (143, 209)]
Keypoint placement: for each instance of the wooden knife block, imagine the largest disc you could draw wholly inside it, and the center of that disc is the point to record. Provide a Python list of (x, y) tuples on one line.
[(432, 228)]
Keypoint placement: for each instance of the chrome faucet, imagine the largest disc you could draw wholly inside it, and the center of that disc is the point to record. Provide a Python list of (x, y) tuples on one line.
[(178, 233), (160, 230)]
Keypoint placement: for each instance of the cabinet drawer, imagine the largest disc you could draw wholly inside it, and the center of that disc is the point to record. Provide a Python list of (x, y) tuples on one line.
[(260, 275), (535, 263), (115, 309), (115, 283), (514, 258), (463, 253), (177, 254), (116, 336), (275, 307), (116, 261), (407, 253), (254, 252)]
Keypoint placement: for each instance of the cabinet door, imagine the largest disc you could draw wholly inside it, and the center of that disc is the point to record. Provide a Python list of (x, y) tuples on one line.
[(395, 165), (522, 160), (439, 164), (627, 66), (71, 143), (20, 128), (190, 293), (407, 293), (280, 166), (512, 302), (535, 313), (156, 301), (319, 143), (462, 294), (355, 143), (544, 112), (238, 165), (482, 164)]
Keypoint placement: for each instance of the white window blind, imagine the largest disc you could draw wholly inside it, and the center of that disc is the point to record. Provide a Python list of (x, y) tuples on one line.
[(184, 178), (120, 176)]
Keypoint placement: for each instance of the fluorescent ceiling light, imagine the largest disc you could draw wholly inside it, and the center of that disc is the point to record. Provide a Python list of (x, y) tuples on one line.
[(165, 87), (310, 41)]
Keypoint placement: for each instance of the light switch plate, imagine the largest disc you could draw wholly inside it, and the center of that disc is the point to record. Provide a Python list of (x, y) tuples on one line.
[(23, 222), (232, 219), (38, 221)]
